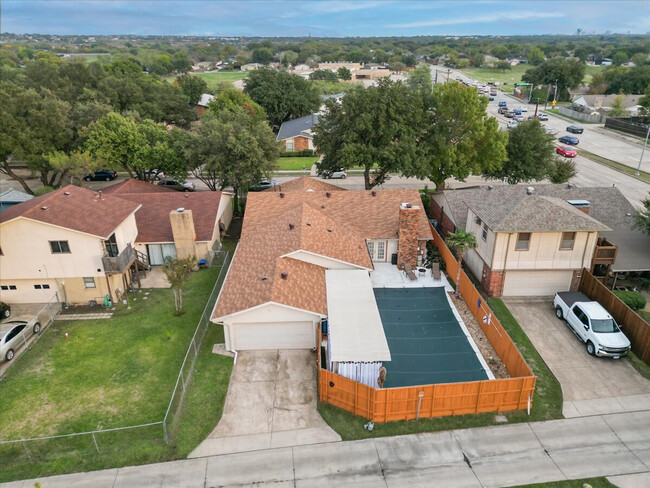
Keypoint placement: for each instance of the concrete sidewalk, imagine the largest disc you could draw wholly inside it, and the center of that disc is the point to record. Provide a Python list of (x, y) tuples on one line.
[(607, 445)]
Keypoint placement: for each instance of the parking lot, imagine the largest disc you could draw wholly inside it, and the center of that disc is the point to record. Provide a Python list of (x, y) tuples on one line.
[(584, 378)]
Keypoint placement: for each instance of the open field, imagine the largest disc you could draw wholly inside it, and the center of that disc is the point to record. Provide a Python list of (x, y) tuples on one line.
[(485, 74), (112, 373), (215, 78)]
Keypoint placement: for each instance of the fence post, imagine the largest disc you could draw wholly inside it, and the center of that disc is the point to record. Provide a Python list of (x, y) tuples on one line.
[(95, 441)]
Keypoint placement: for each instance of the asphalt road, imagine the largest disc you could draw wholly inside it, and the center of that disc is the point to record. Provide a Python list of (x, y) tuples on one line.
[(595, 139)]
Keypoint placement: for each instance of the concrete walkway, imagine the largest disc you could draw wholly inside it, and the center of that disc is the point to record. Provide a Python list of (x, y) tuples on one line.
[(499, 456)]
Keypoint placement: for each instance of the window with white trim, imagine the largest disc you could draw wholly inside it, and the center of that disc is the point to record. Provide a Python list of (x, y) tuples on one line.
[(289, 143), (89, 282), (523, 241), (568, 240), (59, 247), (485, 232)]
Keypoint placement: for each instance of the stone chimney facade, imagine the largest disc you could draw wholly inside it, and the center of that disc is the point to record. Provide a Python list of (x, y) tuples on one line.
[(407, 246), (184, 232)]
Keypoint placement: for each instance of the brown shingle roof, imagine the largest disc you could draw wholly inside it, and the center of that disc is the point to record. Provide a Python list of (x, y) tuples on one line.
[(135, 186), (255, 278), (75, 208), (305, 183), (153, 217)]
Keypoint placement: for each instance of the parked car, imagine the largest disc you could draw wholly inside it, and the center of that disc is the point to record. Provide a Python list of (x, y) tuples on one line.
[(177, 185), (542, 116), (101, 175), (523, 108), (549, 130), (263, 185), (512, 124), (491, 98), (503, 103), (5, 310), (566, 151), (493, 93), (509, 114), (340, 173), (503, 109), (569, 140), (519, 118), (575, 129), (154, 175), (13, 334), (517, 111), (592, 324)]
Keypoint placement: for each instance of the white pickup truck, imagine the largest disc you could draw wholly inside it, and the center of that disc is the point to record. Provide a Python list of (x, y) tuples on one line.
[(592, 324)]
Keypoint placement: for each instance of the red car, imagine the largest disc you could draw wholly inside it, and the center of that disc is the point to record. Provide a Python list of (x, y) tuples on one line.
[(566, 151)]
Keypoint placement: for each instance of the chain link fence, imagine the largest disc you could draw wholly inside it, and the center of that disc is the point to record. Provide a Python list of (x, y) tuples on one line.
[(128, 441)]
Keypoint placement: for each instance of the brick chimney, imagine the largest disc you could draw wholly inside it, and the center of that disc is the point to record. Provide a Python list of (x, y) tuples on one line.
[(183, 231), (407, 247)]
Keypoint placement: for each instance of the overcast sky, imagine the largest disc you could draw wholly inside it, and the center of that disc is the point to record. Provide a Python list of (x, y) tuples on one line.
[(323, 17)]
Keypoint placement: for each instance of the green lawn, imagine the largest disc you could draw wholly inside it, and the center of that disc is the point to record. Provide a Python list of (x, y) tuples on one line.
[(216, 78), (285, 164), (485, 74), (547, 402), (112, 373)]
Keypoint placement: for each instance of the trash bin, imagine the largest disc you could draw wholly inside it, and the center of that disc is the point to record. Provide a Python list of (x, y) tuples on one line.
[(393, 259)]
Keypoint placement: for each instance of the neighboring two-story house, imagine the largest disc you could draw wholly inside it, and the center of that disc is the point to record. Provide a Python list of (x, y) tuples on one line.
[(531, 241), (73, 241)]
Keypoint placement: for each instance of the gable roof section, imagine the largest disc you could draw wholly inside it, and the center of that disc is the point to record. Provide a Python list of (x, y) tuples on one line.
[(75, 208), (298, 127), (135, 186), (334, 226), (153, 221), (305, 183), (533, 213), (14, 196)]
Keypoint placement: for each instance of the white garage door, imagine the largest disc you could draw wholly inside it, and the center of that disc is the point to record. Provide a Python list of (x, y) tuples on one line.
[(287, 335), (536, 283)]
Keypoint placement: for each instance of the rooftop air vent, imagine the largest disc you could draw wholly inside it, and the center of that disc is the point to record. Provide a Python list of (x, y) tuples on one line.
[(328, 194), (329, 230), (291, 226), (373, 193), (281, 194), (264, 278), (284, 275), (530, 190), (43, 207), (180, 209), (66, 193), (308, 224), (322, 206)]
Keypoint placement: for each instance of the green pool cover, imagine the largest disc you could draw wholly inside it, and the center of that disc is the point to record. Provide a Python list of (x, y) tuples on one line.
[(427, 344)]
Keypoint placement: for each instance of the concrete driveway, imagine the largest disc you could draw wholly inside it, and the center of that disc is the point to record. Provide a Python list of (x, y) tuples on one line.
[(590, 385), (271, 402)]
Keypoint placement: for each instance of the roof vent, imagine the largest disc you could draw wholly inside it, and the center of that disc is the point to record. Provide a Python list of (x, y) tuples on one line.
[(291, 226), (281, 194), (66, 193), (530, 190), (328, 194), (264, 278), (322, 206), (373, 193), (284, 275), (187, 195), (329, 230), (43, 207), (490, 188), (569, 186), (308, 224), (180, 209)]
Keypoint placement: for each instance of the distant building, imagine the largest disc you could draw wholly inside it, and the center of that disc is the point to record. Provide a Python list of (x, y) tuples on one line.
[(334, 66), (251, 66), (296, 134), (205, 100), (11, 197)]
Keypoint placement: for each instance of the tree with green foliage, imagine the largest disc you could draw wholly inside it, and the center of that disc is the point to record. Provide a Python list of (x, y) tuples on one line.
[(642, 217), (180, 62), (500, 51), (233, 100), (233, 149), (562, 170), (503, 66), (420, 78), (478, 60), (531, 154), (535, 56), (569, 73), (639, 59), (178, 272), (460, 241), (617, 109), (375, 127), (619, 58), (344, 73), (262, 55), (324, 75), (458, 137), (628, 80), (192, 87), (76, 164), (282, 95)]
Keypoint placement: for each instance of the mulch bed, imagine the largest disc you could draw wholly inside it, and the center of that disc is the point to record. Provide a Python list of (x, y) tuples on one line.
[(489, 354), (81, 309)]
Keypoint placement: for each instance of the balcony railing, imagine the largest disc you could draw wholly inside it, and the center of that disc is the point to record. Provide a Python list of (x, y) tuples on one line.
[(119, 263), (605, 252)]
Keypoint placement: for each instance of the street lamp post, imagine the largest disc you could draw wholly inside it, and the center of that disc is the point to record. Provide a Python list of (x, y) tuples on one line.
[(645, 143)]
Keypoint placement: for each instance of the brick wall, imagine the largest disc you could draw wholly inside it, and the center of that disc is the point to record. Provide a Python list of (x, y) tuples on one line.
[(407, 247), (300, 143), (492, 281)]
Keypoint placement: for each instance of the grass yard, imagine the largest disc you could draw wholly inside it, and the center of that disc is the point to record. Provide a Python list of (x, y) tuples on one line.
[(112, 373), (215, 78), (287, 164), (485, 74), (547, 402)]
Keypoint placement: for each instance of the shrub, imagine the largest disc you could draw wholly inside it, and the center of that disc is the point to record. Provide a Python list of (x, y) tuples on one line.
[(562, 170), (632, 299), (43, 190), (298, 154)]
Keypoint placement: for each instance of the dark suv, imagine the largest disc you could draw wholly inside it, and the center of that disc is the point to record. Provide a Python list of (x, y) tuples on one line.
[(575, 129), (101, 175)]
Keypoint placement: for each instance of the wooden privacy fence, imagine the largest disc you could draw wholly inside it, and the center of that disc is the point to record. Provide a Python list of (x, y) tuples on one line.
[(389, 404), (635, 328)]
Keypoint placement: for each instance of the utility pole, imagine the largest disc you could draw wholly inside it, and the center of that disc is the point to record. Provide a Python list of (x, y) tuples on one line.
[(645, 143), (448, 71), (555, 94), (436, 80), (548, 92), (536, 106)]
